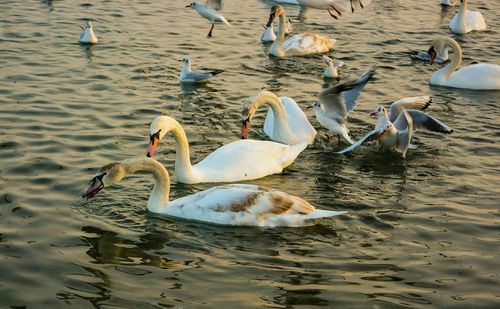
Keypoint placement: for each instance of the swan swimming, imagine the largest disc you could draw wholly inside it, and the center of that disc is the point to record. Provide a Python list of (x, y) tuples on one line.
[(236, 161), (233, 204), (482, 76)]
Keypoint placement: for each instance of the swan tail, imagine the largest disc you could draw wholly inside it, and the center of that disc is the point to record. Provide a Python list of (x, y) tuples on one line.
[(318, 214), (292, 153)]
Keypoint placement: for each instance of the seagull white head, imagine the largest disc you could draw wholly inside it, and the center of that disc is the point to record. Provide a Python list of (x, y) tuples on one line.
[(88, 25), (327, 59), (192, 5), (379, 112), (317, 106)]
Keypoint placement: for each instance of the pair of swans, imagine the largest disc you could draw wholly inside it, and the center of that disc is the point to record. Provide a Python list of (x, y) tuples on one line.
[(482, 76), (466, 21)]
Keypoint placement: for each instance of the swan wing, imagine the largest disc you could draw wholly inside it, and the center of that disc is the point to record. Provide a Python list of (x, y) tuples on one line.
[(244, 204), (421, 103), (307, 43), (482, 76), (296, 118), (475, 21), (246, 160)]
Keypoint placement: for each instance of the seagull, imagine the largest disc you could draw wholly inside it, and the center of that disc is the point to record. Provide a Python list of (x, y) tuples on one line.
[(188, 76), (397, 133), (441, 57), (210, 10), (335, 102), (331, 67), (87, 36), (334, 7)]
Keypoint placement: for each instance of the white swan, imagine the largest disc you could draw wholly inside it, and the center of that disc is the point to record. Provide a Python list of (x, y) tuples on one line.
[(298, 45), (482, 76), (236, 161), (235, 204), (466, 21), (289, 126), (269, 35), (331, 67), (87, 36)]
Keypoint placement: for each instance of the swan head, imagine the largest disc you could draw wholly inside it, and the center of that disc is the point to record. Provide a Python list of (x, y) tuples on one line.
[(436, 46), (276, 10), (379, 112), (106, 176), (247, 112), (157, 130)]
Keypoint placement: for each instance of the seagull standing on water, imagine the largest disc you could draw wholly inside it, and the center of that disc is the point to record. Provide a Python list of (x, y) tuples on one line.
[(87, 36), (210, 10), (188, 76), (397, 130), (335, 102)]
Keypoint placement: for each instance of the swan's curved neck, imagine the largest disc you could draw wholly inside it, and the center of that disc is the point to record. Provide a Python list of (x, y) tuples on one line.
[(158, 199), (456, 59), (281, 128), (462, 15), (183, 167), (277, 47)]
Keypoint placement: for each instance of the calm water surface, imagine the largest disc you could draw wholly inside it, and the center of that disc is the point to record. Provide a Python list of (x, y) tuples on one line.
[(421, 232)]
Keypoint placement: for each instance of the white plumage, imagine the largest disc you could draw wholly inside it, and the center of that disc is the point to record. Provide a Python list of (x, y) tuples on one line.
[(235, 161), (235, 204)]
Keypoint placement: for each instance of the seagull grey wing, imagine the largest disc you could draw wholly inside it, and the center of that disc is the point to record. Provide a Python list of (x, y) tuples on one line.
[(351, 96), (398, 106), (426, 122), (405, 132), (197, 76), (370, 136), (333, 101), (341, 99), (214, 4)]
